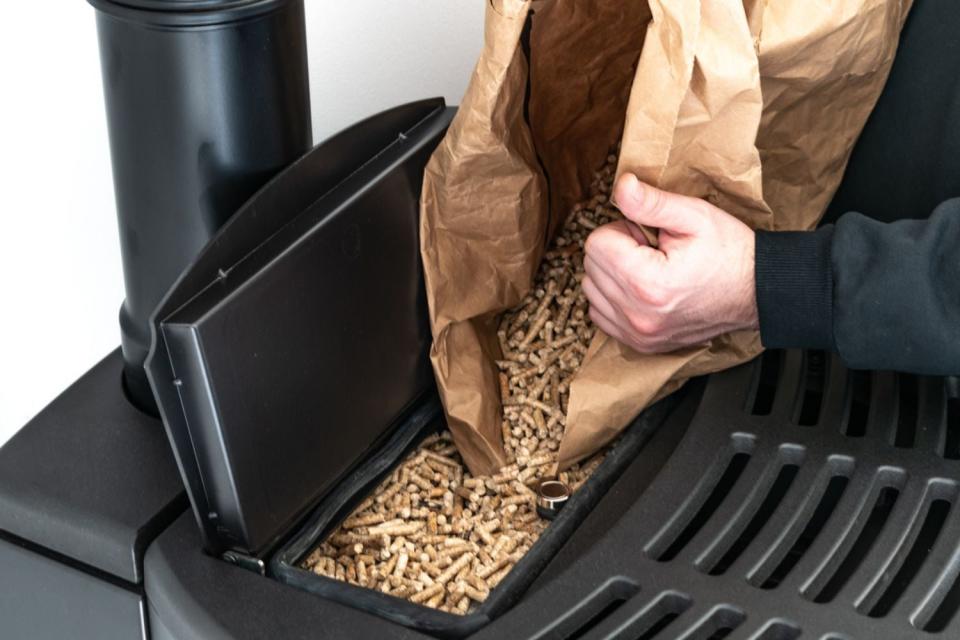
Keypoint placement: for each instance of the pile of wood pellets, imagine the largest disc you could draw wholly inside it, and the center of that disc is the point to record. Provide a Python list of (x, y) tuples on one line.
[(433, 534)]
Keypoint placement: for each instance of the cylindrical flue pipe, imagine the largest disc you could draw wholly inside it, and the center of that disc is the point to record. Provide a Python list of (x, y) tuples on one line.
[(206, 100)]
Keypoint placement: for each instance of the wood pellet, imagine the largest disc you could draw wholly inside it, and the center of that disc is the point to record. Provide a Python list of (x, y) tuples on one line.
[(433, 534)]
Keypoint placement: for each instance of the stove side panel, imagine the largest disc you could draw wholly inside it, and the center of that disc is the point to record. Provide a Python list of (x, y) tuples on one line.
[(43, 598)]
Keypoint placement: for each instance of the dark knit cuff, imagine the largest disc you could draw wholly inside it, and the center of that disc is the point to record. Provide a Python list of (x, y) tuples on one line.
[(795, 288)]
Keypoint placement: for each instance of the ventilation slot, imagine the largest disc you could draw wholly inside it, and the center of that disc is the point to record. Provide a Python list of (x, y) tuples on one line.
[(947, 608), (879, 514), (951, 449), (933, 522), (828, 502), (721, 623), (771, 363), (659, 626), (705, 507), (907, 414), (815, 363), (770, 503), (593, 611), (779, 631), (860, 388), (656, 618), (596, 618)]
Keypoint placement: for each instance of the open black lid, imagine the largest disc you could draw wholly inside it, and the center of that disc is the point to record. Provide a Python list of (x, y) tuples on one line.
[(300, 333)]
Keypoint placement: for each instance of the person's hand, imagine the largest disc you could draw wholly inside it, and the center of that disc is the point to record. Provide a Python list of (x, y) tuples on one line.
[(696, 285)]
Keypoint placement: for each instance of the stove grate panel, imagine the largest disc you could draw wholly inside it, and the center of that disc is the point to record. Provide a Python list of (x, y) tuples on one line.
[(802, 500)]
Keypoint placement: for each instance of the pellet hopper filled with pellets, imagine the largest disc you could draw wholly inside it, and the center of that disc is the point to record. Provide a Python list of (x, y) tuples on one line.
[(498, 370), (434, 533)]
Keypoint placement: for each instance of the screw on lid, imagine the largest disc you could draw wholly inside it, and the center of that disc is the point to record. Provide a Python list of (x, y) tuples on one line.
[(551, 496)]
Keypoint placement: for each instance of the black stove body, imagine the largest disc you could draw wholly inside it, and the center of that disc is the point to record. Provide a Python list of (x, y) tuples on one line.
[(786, 498)]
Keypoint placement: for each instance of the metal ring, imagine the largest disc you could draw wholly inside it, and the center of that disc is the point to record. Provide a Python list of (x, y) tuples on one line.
[(551, 496)]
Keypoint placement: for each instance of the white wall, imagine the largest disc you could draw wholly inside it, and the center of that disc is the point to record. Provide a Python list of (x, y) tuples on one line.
[(60, 278), (368, 55)]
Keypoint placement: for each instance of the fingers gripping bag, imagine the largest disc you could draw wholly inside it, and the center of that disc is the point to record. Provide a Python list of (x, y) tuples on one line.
[(754, 106)]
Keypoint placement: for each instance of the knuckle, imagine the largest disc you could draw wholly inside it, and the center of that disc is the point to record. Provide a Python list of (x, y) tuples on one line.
[(590, 246), (638, 288), (658, 295), (643, 325), (656, 324), (598, 245), (648, 292), (656, 201)]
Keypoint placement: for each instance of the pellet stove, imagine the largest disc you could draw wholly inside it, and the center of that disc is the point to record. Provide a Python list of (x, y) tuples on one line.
[(273, 356)]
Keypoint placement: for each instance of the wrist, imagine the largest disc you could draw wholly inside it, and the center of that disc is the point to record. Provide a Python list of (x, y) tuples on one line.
[(751, 315), (743, 290)]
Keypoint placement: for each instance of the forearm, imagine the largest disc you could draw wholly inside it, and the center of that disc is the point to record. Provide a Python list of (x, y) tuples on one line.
[(883, 296)]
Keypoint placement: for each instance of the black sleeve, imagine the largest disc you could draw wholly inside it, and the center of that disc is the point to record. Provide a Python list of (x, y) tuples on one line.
[(883, 296)]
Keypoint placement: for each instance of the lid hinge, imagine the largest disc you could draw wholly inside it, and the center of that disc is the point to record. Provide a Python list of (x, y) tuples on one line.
[(250, 563)]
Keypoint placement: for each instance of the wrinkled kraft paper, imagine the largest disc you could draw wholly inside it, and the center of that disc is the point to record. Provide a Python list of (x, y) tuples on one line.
[(752, 105)]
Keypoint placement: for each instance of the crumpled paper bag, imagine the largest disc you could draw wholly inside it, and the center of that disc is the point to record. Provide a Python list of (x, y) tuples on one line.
[(754, 106)]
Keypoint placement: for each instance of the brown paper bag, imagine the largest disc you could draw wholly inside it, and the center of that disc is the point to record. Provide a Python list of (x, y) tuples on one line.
[(751, 105)]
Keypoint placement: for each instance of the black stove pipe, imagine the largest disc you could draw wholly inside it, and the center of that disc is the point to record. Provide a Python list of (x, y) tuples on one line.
[(206, 100)]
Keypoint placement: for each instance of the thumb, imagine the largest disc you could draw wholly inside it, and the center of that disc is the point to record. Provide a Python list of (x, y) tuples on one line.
[(647, 205)]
